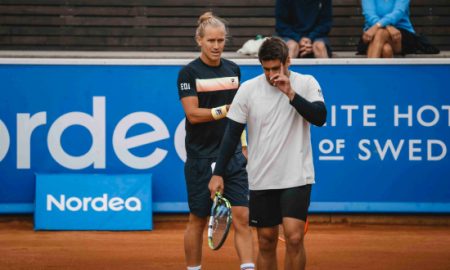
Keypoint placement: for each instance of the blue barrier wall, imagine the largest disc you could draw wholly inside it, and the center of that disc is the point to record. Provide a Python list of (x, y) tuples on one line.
[(384, 149)]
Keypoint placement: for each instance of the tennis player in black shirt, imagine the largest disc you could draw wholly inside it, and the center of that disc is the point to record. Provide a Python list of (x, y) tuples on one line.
[(206, 87)]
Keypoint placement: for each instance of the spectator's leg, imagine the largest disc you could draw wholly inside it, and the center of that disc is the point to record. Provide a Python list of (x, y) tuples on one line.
[(320, 49), (376, 45), (387, 51), (396, 45), (293, 48)]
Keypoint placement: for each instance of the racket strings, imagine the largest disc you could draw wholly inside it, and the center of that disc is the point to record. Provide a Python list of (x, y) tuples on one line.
[(219, 222), (219, 227)]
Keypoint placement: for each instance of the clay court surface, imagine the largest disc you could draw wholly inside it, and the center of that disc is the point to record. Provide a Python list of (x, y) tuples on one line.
[(329, 246)]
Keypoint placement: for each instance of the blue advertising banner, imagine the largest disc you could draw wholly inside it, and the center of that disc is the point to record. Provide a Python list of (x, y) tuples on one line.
[(93, 202), (384, 147)]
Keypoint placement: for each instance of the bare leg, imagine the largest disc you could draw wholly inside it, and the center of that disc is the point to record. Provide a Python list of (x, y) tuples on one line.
[(243, 239), (320, 49), (387, 51), (267, 255), (295, 258), (396, 44), (376, 45), (193, 240), (293, 48)]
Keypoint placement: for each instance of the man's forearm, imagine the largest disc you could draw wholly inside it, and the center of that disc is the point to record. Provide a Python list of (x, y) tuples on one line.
[(229, 143), (313, 112)]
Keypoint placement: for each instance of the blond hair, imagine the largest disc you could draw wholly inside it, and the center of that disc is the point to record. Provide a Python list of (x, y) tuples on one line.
[(208, 19)]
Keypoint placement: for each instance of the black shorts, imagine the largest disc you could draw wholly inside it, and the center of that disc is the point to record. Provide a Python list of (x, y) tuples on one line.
[(268, 207), (409, 43), (198, 172)]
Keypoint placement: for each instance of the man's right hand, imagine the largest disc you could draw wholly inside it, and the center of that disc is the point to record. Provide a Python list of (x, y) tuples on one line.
[(215, 184)]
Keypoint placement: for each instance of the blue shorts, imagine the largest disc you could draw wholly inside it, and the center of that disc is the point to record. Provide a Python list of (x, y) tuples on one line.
[(198, 172)]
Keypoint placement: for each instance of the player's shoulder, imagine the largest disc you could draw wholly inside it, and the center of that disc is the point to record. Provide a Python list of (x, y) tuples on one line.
[(296, 74), (253, 82), (249, 85), (229, 63), (304, 78), (190, 66)]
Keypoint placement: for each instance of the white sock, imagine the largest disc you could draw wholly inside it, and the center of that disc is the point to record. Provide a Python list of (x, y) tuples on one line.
[(198, 267), (247, 266)]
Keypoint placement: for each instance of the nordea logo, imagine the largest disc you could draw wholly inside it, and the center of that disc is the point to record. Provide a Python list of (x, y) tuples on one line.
[(98, 204)]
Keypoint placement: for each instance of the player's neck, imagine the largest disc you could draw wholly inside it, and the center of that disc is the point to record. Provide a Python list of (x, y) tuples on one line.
[(209, 62)]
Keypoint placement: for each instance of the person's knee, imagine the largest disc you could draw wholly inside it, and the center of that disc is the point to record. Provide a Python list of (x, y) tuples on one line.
[(240, 218), (381, 36), (293, 48), (267, 244), (320, 49), (294, 241), (196, 223), (387, 50), (319, 46)]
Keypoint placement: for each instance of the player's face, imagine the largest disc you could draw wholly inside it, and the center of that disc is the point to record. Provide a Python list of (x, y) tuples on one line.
[(273, 67), (212, 45)]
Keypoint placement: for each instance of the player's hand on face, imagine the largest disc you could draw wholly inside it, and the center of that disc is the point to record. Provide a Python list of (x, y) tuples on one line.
[(281, 81), (215, 184)]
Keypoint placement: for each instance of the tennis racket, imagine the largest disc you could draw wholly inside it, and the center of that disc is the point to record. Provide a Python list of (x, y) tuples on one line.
[(219, 222), (281, 231)]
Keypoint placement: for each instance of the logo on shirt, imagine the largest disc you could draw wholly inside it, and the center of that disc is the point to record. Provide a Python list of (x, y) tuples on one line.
[(319, 91), (185, 86)]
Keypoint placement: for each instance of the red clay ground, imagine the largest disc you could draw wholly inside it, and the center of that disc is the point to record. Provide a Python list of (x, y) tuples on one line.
[(329, 246)]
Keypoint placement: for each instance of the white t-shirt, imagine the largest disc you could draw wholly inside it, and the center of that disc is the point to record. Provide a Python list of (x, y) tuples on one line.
[(279, 139)]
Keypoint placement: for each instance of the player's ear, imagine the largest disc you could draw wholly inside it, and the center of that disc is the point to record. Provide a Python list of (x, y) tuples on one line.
[(288, 62), (198, 40)]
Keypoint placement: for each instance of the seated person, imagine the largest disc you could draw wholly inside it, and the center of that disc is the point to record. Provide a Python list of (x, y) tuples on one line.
[(304, 26), (387, 30)]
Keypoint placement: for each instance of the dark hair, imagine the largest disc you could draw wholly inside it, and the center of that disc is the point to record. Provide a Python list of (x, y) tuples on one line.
[(273, 48)]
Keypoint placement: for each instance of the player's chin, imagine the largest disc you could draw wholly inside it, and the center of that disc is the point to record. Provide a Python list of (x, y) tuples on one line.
[(215, 55)]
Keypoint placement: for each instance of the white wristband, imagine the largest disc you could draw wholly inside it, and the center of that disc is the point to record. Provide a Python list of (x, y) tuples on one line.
[(219, 112)]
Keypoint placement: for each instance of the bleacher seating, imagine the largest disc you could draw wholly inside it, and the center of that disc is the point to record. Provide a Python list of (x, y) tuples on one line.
[(169, 25)]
